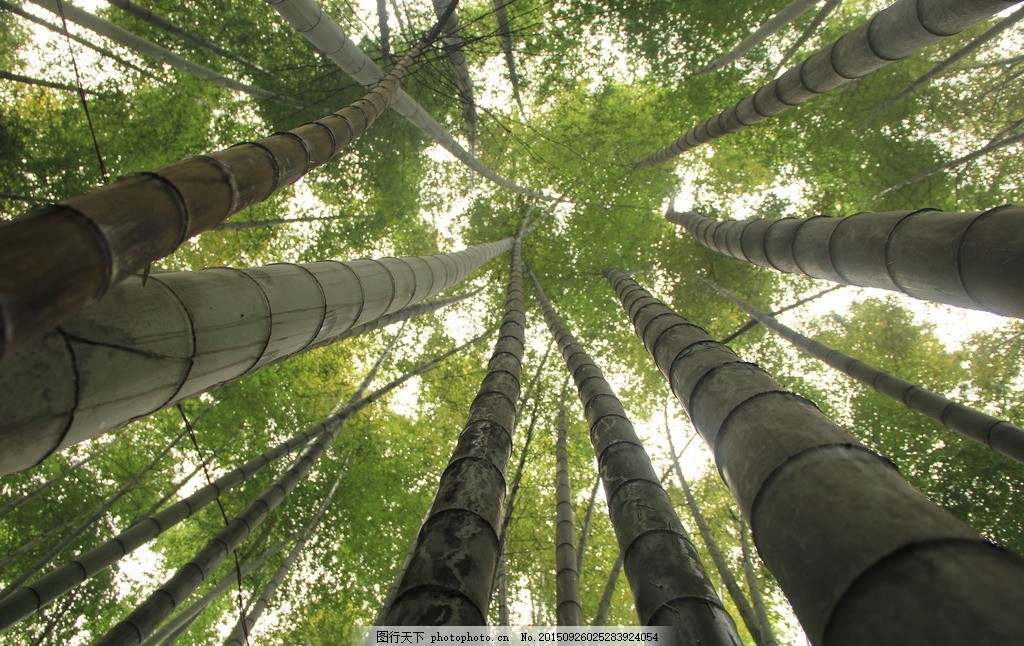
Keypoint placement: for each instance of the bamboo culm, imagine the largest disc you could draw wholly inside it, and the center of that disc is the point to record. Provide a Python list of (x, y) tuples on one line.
[(568, 611), (862, 557), (970, 259), (895, 32), (450, 576), (670, 586), (140, 349), (57, 258)]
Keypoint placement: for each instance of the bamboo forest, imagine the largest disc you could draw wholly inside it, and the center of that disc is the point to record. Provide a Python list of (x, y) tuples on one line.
[(324, 314)]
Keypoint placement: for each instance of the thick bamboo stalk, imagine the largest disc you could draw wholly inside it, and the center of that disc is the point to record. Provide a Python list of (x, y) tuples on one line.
[(764, 31), (970, 260), (142, 46), (140, 349), (568, 611), (861, 555), (670, 586), (163, 23), (897, 31), (999, 435), (57, 258), (724, 571), (451, 574), (326, 36)]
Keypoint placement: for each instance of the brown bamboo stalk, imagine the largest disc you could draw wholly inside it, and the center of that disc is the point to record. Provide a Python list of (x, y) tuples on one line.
[(57, 258)]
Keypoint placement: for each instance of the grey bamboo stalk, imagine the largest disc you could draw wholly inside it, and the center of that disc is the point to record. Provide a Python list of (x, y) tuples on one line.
[(140, 349), (861, 555), (991, 34), (17, 10), (581, 542), (28, 80), (91, 518), (384, 28), (568, 611), (670, 587), (997, 434), (142, 621), (505, 35), (55, 480), (990, 147), (171, 28), (455, 48), (31, 598), (970, 260), (144, 47), (724, 571), (503, 613), (273, 222), (57, 258), (326, 36), (764, 625), (241, 632), (451, 574), (805, 35), (180, 622), (749, 325), (766, 30), (897, 31), (605, 605)]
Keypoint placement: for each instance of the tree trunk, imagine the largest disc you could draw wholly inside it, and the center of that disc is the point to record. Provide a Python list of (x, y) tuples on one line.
[(28, 80), (505, 34), (158, 605), (30, 599), (240, 635), (144, 47), (180, 622), (724, 572), (142, 348), (581, 542), (58, 258), (166, 25), (861, 555), (451, 574), (970, 260), (971, 47), (568, 611), (990, 147), (805, 35), (893, 33), (17, 10), (90, 519), (328, 38), (997, 434), (766, 30), (605, 605), (752, 323), (764, 626), (454, 47), (670, 587)]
